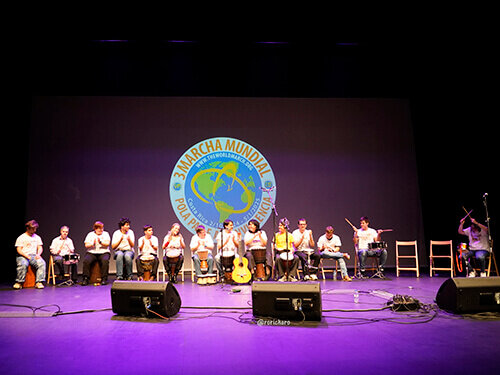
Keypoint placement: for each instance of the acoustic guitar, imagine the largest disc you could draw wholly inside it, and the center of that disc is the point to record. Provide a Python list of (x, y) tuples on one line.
[(241, 274)]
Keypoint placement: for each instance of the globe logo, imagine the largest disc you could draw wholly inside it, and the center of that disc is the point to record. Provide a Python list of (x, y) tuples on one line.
[(219, 179)]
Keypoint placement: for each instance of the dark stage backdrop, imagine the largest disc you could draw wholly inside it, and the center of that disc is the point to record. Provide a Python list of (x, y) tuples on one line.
[(102, 158)]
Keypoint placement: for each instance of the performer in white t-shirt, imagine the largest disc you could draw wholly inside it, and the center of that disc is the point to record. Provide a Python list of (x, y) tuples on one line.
[(122, 243), (364, 236), (63, 245), (147, 247), (255, 238), (29, 252), (304, 245), (478, 245), (230, 246), (97, 245), (202, 241), (329, 246), (173, 246)]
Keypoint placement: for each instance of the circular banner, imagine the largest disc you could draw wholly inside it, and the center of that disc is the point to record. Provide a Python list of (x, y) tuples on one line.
[(222, 178)]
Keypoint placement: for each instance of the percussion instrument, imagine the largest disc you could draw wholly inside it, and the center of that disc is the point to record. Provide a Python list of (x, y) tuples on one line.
[(287, 259), (206, 279), (203, 256), (259, 255), (147, 266), (462, 247), (71, 258), (377, 245), (173, 256), (227, 264), (309, 252)]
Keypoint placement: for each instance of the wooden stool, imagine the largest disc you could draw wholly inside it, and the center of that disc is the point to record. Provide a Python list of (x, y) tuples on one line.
[(413, 256), (95, 273), (449, 256), (29, 282), (51, 277), (332, 270)]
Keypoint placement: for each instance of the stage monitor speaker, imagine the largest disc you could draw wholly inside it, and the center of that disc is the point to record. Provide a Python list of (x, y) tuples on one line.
[(290, 301), (469, 295), (135, 298)]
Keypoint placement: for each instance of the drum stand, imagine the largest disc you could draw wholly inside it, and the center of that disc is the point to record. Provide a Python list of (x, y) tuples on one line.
[(309, 266), (69, 281)]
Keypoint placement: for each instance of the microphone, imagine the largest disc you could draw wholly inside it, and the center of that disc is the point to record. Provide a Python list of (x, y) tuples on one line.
[(485, 195)]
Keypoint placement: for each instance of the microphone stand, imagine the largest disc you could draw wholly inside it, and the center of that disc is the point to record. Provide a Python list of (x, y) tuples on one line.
[(490, 248), (275, 214)]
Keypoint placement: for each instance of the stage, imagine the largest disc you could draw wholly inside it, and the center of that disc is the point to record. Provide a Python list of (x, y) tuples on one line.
[(215, 332)]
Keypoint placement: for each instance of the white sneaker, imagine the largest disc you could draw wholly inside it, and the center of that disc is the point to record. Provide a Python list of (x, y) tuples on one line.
[(307, 277), (282, 279), (17, 286), (314, 277), (39, 286), (483, 274), (293, 279), (472, 274)]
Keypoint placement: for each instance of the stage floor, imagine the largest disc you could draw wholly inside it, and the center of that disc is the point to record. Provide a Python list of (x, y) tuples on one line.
[(210, 341)]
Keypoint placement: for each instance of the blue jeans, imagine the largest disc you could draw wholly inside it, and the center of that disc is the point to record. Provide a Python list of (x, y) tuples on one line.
[(365, 253), (480, 256), (124, 257), (339, 257), (22, 268), (197, 264)]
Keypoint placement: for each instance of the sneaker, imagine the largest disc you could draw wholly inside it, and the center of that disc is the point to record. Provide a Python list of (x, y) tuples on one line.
[(472, 274), (293, 279), (347, 256), (307, 277), (314, 277), (85, 281), (483, 274), (282, 279), (17, 286), (39, 286), (346, 278)]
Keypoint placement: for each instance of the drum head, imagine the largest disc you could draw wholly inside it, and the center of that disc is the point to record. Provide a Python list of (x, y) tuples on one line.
[(286, 255), (228, 253), (173, 253)]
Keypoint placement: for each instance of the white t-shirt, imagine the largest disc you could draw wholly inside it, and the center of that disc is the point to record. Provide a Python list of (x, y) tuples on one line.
[(148, 250), (228, 240), (477, 241), (96, 247), (28, 243), (305, 244), (123, 245), (329, 244), (365, 237), (206, 243), (175, 242), (256, 243), (65, 246)]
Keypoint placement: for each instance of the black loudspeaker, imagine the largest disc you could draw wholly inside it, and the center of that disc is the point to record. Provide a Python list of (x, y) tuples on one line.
[(136, 298), (290, 301), (464, 295)]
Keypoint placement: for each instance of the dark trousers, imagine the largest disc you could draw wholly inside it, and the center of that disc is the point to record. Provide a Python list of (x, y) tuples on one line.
[(281, 268), (168, 266), (103, 260), (140, 268), (315, 259), (59, 265)]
